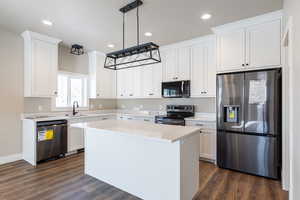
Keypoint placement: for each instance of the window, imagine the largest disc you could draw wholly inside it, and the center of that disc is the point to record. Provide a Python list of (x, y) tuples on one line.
[(71, 87)]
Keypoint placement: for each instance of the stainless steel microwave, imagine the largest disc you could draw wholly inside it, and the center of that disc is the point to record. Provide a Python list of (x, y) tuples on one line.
[(177, 89)]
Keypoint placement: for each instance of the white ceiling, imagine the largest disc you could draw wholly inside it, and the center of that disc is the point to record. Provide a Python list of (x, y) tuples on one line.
[(96, 23)]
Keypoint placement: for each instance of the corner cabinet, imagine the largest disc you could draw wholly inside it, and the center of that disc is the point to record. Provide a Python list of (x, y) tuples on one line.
[(102, 81), (40, 65), (250, 44), (203, 68)]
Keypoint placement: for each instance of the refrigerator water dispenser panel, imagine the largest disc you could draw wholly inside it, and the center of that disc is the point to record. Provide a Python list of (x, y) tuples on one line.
[(231, 114)]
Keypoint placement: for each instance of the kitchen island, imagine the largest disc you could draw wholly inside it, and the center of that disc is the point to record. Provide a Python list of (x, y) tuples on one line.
[(150, 161)]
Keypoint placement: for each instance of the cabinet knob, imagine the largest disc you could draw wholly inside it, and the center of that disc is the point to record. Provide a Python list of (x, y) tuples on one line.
[(98, 95), (131, 95), (247, 64), (55, 92), (243, 65)]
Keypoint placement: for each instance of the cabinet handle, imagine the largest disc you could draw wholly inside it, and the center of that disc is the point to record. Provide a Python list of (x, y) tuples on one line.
[(98, 95), (131, 95), (146, 120), (199, 124), (151, 94)]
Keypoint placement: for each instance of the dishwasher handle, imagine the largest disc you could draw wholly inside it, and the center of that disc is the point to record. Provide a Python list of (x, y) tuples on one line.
[(52, 123)]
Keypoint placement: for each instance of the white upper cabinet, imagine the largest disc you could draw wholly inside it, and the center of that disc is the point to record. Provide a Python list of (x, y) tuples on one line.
[(102, 81), (231, 50), (250, 44), (203, 69), (140, 82), (40, 65), (263, 44), (151, 81), (121, 83), (176, 64)]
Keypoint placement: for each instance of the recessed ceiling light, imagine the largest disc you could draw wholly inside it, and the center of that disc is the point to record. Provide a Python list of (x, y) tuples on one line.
[(148, 34), (47, 22), (206, 16), (111, 45)]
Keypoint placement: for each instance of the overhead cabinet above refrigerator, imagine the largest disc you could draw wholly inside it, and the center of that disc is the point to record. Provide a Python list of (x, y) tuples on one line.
[(253, 43)]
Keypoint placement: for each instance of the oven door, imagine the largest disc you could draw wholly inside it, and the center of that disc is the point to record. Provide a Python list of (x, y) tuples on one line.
[(178, 89)]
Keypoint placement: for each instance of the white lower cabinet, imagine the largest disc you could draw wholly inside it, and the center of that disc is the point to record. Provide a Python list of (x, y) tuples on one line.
[(208, 145), (76, 135), (75, 139), (208, 139)]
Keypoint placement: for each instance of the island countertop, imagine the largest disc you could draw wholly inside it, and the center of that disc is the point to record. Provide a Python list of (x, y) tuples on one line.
[(168, 133)]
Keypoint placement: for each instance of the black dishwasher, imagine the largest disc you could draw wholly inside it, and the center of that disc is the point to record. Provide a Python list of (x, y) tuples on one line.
[(52, 139)]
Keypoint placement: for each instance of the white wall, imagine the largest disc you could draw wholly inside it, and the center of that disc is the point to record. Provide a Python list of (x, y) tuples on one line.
[(11, 92), (292, 8)]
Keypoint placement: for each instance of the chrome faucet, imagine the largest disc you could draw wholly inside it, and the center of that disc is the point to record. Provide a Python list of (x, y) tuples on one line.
[(75, 105)]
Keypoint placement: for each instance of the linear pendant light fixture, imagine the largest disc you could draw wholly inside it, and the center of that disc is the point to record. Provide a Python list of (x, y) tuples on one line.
[(139, 55)]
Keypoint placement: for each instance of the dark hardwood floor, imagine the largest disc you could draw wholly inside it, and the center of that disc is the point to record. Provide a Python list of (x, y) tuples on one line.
[(64, 180)]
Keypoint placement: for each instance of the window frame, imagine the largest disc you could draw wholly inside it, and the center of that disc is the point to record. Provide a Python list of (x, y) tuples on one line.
[(70, 75)]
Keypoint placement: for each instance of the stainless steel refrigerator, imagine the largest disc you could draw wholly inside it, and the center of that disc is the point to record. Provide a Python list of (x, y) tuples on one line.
[(249, 122)]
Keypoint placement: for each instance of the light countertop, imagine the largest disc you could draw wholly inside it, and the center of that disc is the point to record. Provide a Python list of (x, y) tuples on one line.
[(168, 133)]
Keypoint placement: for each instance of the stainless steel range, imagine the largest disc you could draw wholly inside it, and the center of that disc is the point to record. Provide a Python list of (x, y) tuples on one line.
[(175, 115)]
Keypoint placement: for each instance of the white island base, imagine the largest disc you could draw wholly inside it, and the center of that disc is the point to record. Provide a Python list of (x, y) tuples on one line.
[(146, 165)]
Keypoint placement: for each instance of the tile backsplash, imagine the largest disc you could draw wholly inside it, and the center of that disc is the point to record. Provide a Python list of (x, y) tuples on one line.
[(35, 105), (201, 104)]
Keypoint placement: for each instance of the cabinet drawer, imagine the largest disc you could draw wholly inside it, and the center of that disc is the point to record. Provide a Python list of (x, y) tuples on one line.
[(202, 125)]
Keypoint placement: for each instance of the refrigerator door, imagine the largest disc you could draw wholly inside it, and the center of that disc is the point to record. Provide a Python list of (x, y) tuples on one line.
[(230, 101), (252, 154), (262, 102)]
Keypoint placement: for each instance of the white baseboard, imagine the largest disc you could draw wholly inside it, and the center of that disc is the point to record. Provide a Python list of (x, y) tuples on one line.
[(10, 158)]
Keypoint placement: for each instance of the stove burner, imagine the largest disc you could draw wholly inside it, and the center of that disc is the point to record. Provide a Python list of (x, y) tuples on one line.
[(175, 115)]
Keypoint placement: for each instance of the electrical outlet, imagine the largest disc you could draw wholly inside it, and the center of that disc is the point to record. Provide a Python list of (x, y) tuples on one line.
[(40, 108), (161, 107)]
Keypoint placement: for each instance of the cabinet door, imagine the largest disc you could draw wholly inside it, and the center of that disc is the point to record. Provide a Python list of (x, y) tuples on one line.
[(170, 62), (263, 45), (184, 63), (136, 81), (105, 80), (231, 50), (208, 145), (75, 139), (147, 74), (44, 58), (121, 83), (198, 66), (210, 70), (156, 80)]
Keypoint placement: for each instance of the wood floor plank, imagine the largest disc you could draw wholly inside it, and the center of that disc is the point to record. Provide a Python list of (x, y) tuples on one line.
[(64, 179)]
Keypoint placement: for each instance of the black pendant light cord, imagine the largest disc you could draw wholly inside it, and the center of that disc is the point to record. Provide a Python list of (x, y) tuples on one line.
[(138, 25), (123, 31)]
